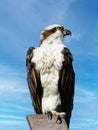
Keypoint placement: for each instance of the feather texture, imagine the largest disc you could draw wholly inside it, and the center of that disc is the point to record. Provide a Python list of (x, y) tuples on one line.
[(65, 83), (34, 83), (50, 73)]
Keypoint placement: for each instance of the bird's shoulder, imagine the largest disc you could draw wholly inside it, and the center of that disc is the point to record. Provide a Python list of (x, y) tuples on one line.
[(67, 54)]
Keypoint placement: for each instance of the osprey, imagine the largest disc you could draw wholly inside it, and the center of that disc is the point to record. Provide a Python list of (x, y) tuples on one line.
[(50, 74)]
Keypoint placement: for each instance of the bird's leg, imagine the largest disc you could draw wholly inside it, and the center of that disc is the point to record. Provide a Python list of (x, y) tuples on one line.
[(59, 114)]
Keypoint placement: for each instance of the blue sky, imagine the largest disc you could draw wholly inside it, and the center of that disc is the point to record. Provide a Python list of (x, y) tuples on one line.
[(20, 25)]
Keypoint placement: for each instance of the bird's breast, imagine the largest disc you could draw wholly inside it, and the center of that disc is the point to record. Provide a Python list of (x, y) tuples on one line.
[(48, 56), (48, 61)]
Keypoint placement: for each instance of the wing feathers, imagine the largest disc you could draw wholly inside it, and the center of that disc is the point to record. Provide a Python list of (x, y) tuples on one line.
[(33, 78), (66, 84)]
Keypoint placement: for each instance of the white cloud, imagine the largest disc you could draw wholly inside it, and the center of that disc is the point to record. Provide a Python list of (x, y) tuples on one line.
[(15, 105), (11, 81), (24, 23), (21, 108), (84, 95), (11, 117), (12, 86), (85, 108)]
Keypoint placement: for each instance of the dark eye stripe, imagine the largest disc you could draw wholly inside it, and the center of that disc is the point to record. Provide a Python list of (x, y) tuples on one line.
[(53, 30), (57, 28)]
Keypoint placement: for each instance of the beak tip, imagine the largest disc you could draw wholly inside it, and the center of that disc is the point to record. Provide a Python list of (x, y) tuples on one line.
[(68, 32)]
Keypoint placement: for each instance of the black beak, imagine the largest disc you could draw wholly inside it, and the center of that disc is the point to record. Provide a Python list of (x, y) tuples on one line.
[(67, 32)]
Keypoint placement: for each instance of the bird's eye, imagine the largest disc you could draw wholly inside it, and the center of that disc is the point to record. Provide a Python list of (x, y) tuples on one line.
[(60, 28)]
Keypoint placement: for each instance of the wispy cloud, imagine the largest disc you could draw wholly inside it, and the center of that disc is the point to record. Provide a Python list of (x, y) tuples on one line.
[(82, 94), (11, 80), (85, 111), (20, 26), (15, 101), (11, 117), (11, 124)]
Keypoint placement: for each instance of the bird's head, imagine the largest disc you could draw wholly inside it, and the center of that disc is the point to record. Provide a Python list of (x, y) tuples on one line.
[(53, 32)]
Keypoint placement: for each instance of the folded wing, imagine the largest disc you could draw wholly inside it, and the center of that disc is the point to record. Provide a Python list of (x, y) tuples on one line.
[(66, 84), (34, 83)]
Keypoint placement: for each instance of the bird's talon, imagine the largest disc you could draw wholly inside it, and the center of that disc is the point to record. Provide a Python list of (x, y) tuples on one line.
[(49, 115), (59, 120)]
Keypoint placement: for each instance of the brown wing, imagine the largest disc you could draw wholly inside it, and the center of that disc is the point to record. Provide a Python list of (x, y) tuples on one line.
[(66, 84), (33, 78)]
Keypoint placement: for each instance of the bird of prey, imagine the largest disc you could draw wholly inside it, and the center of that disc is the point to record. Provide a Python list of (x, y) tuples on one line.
[(50, 74)]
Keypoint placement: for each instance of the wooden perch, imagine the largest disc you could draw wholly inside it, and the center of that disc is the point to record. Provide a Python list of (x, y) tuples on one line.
[(41, 122)]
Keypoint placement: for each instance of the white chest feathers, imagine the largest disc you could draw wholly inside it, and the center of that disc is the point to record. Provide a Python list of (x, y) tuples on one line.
[(48, 61)]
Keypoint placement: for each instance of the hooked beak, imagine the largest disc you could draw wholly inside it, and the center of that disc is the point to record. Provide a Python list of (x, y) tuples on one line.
[(67, 32)]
